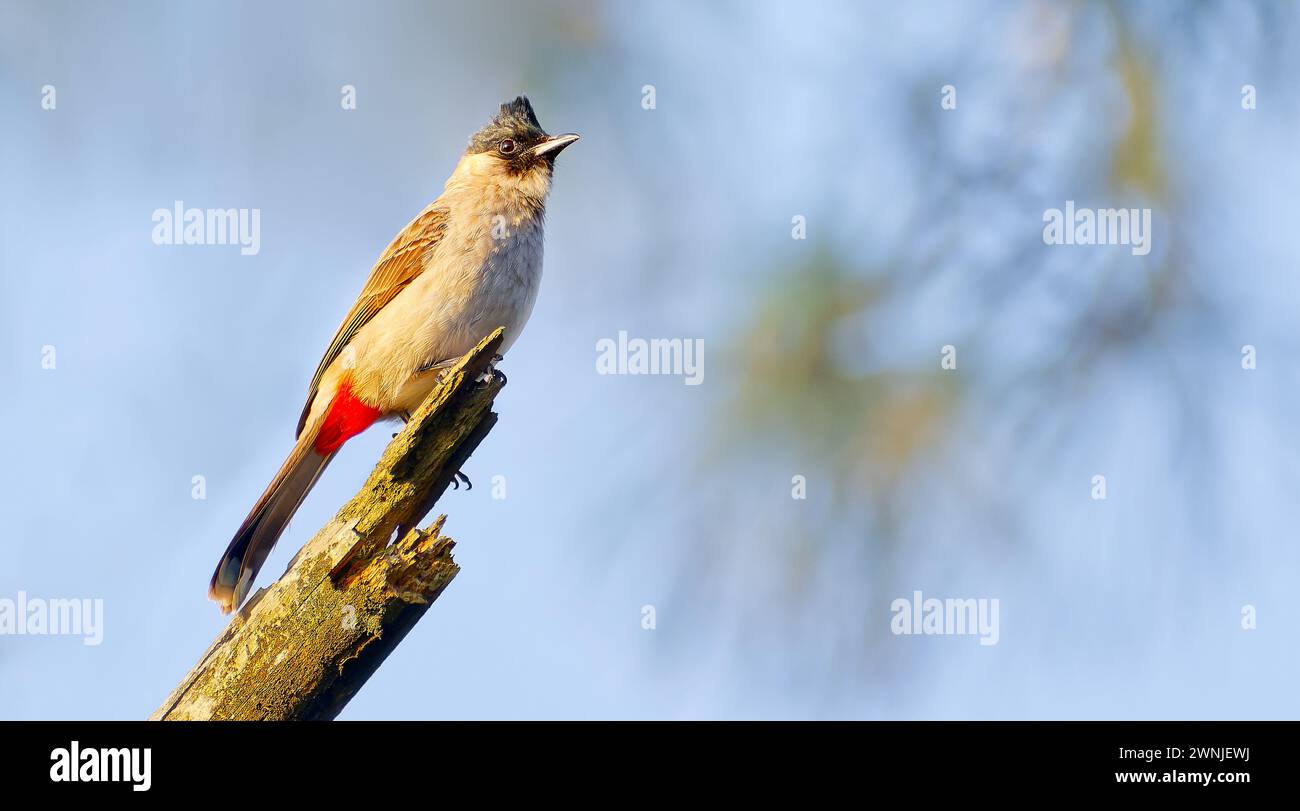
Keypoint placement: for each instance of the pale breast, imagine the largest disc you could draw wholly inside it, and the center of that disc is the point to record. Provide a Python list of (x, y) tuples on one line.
[(476, 280), (507, 286)]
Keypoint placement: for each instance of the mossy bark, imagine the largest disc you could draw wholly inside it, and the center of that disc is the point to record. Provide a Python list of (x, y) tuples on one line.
[(300, 649)]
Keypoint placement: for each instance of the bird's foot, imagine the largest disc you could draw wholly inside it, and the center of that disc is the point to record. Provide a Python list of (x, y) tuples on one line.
[(405, 417), (491, 372), (457, 478)]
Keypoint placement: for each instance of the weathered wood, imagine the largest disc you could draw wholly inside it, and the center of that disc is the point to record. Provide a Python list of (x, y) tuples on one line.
[(300, 649)]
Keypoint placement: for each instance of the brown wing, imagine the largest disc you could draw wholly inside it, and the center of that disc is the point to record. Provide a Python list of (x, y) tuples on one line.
[(396, 268)]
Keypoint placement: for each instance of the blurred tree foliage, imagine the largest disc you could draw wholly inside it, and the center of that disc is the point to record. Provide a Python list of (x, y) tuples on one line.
[(873, 442)]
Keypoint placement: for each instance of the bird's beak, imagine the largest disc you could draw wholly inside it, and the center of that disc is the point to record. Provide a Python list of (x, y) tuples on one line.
[(552, 146)]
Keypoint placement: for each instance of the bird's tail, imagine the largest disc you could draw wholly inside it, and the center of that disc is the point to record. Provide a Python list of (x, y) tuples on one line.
[(266, 521)]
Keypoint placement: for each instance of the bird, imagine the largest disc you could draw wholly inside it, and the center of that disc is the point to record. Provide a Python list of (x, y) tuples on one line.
[(469, 263)]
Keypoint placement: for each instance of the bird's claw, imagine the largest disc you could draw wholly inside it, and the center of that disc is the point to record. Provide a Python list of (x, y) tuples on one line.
[(405, 417), (457, 478), (492, 373)]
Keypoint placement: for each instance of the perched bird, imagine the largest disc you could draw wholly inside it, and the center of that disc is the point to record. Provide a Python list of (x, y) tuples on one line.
[(467, 264)]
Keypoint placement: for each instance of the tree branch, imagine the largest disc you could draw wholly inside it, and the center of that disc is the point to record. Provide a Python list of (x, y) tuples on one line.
[(302, 648)]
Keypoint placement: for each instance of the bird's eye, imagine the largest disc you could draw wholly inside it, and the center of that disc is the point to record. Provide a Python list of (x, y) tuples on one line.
[(507, 147)]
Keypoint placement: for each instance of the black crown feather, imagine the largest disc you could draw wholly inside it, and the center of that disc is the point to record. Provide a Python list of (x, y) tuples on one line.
[(515, 120), (520, 110)]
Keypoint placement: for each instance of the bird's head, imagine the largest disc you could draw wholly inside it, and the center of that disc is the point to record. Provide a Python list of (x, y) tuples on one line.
[(514, 150)]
